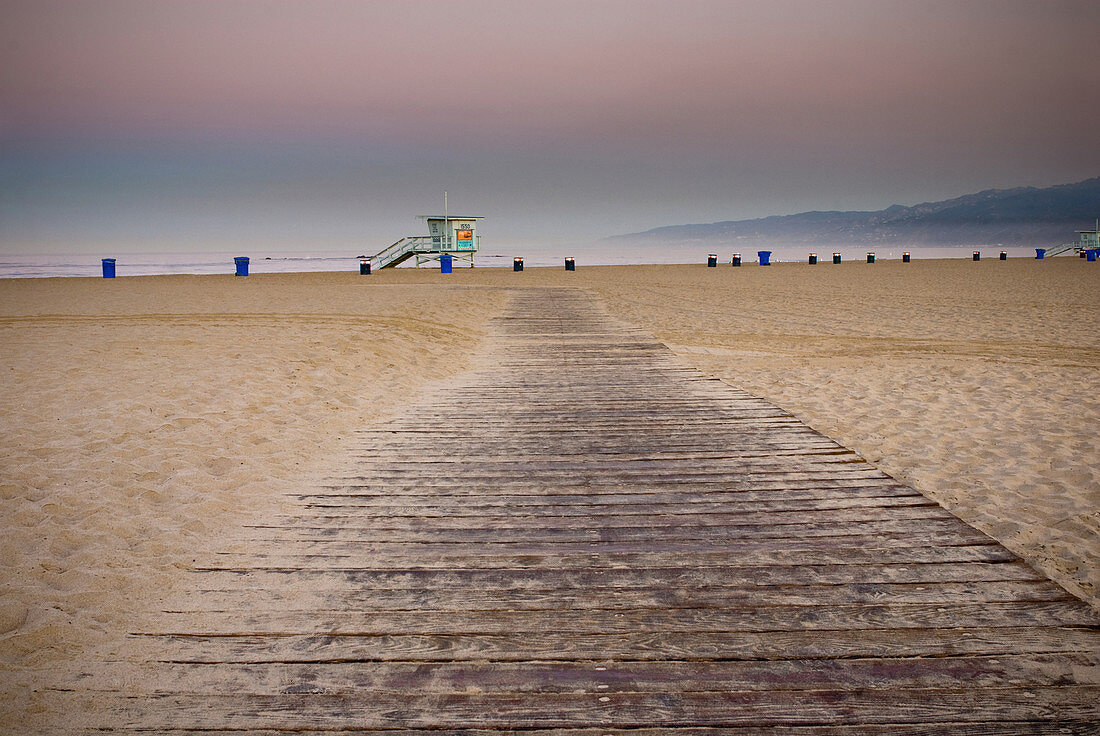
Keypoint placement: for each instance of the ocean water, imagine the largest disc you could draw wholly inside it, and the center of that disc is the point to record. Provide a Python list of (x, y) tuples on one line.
[(593, 254)]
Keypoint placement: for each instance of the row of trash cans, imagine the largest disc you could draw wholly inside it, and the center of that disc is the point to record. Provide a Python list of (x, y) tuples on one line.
[(764, 257), (446, 261), (446, 264), (570, 264)]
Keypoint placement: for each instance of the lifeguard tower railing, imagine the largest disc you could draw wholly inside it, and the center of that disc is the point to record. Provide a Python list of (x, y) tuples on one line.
[(425, 248)]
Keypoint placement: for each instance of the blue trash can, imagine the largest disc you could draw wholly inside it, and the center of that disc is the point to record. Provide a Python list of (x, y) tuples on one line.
[(712, 260), (764, 257), (241, 262), (445, 264), (570, 264), (517, 264), (1039, 253), (1090, 254), (108, 268), (736, 260)]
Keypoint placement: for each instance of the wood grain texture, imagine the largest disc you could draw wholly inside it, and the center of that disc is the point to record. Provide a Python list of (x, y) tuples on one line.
[(584, 537)]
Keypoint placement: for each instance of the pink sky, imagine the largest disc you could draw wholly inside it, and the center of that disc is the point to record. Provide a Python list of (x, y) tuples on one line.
[(625, 114)]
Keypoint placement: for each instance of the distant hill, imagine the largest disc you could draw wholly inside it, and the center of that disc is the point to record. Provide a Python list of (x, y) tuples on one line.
[(1022, 216)]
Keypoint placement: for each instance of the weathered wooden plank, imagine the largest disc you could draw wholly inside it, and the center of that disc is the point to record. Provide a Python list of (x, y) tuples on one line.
[(599, 405), (671, 493), (1052, 727), (290, 557), (642, 416), (502, 447), (742, 595), (595, 487), (430, 508), (340, 578), (846, 538), (462, 710), (749, 435), (245, 621), (495, 445), (518, 453), (520, 416), (664, 646), (332, 519), (439, 478), (1040, 670), (912, 523), (397, 465)]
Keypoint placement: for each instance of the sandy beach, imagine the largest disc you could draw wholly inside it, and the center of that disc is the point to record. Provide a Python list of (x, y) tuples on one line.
[(146, 418)]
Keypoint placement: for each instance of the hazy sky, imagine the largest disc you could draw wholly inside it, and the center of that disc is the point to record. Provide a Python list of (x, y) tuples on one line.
[(317, 123)]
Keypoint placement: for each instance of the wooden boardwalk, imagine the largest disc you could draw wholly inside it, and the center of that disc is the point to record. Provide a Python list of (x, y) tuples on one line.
[(587, 535)]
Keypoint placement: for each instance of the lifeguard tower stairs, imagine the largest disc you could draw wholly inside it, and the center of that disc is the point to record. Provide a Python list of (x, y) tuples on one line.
[(449, 234)]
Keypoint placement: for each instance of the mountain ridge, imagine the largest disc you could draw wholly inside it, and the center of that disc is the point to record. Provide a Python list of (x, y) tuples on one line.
[(1016, 216)]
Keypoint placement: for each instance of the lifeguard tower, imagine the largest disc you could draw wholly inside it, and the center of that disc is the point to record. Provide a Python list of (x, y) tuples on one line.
[(448, 234), (1089, 240)]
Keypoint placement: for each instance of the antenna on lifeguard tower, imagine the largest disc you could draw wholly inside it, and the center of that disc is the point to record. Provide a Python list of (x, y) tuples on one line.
[(446, 220)]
